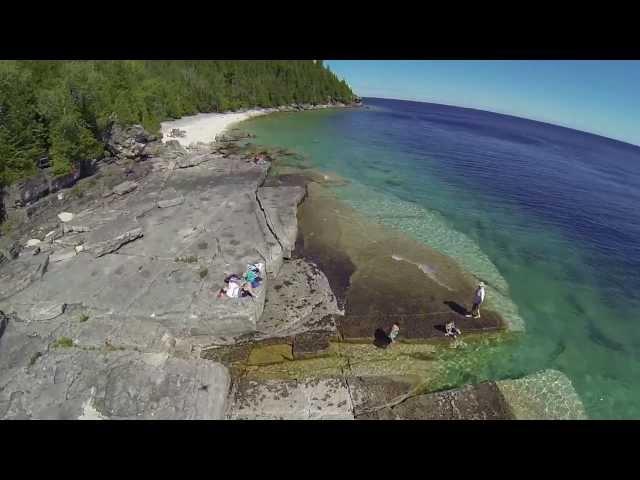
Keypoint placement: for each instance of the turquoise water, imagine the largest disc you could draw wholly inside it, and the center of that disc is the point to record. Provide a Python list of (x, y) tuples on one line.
[(541, 213)]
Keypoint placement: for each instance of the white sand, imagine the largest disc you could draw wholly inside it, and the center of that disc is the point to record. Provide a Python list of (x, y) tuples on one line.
[(204, 127)]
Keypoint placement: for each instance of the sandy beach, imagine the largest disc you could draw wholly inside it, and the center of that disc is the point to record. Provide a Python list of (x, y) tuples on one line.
[(204, 127)]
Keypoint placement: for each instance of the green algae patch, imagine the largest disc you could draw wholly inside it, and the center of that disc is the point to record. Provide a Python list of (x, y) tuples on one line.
[(63, 342), (438, 363), (269, 354), (322, 367)]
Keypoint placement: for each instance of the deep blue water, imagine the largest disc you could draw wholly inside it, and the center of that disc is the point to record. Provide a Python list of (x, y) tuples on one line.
[(550, 215)]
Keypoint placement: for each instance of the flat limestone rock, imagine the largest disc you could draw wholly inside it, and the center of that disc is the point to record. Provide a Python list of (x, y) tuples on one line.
[(373, 393), (33, 242), (125, 187), (17, 275), (111, 245), (170, 203), (71, 383), (65, 216), (187, 161), (280, 205), (325, 399), (62, 255), (299, 300), (544, 395), (44, 311)]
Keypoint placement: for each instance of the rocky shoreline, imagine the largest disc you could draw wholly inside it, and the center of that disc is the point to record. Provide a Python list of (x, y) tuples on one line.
[(110, 310)]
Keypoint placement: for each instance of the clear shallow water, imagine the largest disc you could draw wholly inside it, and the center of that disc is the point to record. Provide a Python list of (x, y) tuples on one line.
[(548, 216)]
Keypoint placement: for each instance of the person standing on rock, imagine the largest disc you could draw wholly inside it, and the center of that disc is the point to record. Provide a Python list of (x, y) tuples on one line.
[(477, 301)]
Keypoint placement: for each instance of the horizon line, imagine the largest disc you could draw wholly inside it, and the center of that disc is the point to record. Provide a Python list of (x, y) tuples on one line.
[(626, 142)]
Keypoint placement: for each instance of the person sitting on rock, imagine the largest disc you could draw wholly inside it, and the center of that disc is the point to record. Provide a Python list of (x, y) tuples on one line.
[(236, 287), (393, 334), (451, 330)]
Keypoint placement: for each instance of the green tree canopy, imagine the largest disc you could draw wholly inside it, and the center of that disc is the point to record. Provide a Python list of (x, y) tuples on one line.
[(62, 108)]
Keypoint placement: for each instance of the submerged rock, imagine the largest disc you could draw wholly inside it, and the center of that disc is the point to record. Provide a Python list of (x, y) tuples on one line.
[(544, 395)]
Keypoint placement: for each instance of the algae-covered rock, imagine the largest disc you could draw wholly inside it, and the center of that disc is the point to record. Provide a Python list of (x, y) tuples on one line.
[(472, 402), (267, 354), (326, 399)]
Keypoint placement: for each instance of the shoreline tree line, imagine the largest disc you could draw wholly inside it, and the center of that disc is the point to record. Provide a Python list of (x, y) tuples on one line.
[(63, 109)]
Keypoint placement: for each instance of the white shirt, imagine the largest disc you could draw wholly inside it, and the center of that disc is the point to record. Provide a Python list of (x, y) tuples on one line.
[(233, 290), (480, 295)]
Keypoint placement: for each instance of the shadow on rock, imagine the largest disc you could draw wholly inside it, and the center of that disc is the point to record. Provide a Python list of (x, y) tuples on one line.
[(456, 307), (381, 340)]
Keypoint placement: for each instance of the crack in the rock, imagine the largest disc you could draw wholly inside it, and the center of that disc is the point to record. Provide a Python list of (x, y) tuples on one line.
[(268, 222)]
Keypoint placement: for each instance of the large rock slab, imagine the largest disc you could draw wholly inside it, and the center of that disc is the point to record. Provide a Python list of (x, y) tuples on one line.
[(155, 294), (280, 205), (300, 300), (17, 275), (69, 383), (373, 393), (127, 142), (313, 399)]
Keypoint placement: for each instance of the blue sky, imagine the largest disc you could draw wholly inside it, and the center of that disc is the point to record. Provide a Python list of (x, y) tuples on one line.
[(601, 97)]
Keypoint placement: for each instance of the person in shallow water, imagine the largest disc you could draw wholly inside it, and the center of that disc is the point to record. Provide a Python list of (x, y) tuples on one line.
[(477, 301)]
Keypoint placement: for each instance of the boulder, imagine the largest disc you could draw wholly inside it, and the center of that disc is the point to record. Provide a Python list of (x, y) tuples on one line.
[(64, 181), (33, 242), (172, 150), (9, 249), (27, 191), (65, 216), (127, 142)]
